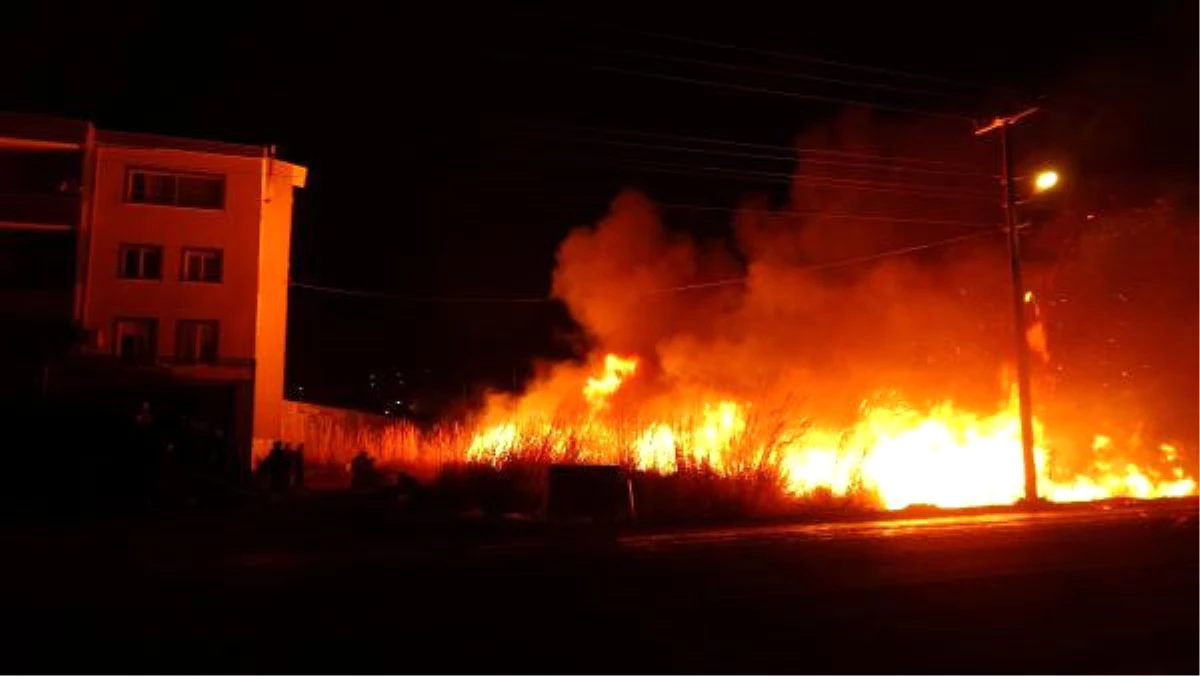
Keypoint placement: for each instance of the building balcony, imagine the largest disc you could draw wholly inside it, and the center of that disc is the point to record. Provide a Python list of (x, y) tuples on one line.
[(35, 304), (100, 366), (37, 274), (220, 370), (39, 211)]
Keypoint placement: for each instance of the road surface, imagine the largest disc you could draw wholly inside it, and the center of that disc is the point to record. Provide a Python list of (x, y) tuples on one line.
[(1072, 591)]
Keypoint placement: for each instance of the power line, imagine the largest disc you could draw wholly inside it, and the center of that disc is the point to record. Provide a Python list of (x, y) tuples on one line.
[(856, 260), (420, 299), (779, 178), (832, 181), (796, 56), (815, 214), (765, 146), (778, 54), (788, 94), (731, 281), (901, 251), (827, 215), (769, 71), (768, 157)]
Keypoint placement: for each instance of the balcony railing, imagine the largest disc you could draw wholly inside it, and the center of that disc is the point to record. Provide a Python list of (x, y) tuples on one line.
[(35, 303), (220, 370), (228, 363), (39, 209)]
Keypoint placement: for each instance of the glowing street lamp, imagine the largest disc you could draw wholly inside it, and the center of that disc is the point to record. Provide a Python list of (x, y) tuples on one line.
[(1045, 180)]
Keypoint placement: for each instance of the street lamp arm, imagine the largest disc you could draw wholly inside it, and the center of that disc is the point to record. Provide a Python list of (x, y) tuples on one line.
[(999, 122)]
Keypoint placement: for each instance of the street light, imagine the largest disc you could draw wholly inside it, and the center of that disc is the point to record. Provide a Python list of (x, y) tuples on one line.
[(1045, 180)]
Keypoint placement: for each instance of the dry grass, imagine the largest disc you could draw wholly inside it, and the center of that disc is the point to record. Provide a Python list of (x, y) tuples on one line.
[(743, 477), (698, 493), (512, 488)]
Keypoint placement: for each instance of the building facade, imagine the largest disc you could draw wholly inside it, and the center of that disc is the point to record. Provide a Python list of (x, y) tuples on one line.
[(168, 262)]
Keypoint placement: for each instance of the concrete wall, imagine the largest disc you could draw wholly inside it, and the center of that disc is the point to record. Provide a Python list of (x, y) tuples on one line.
[(235, 230), (275, 239)]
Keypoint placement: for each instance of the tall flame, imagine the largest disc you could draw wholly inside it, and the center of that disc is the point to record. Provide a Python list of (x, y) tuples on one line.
[(895, 453), (598, 389)]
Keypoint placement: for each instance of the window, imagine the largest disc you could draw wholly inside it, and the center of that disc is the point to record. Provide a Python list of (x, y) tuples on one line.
[(201, 265), (178, 190), (140, 261), (196, 341), (135, 339)]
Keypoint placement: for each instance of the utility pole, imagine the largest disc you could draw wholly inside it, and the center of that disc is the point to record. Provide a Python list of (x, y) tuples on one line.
[(1018, 295)]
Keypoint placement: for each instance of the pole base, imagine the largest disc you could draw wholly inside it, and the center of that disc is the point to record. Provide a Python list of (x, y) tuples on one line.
[(1037, 503)]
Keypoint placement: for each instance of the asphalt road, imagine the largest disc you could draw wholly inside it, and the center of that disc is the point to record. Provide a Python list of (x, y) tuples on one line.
[(1096, 591)]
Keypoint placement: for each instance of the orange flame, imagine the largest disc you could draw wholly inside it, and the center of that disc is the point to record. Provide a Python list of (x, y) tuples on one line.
[(896, 454), (1035, 331), (599, 389)]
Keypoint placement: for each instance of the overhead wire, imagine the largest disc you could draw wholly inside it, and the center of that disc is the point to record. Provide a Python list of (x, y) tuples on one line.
[(780, 178), (797, 56), (823, 215), (512, 300), (844, 262), (722, 152), (789, 178), (819, 98), (730, 281), (822, 98), (758, 51), (825, 157), (908, 159), (673, 58)]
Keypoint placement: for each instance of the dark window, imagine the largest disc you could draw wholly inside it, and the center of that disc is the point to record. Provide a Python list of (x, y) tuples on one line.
[(201, 265), (178, 190), (204, 192), (196, 341), (134, 339), (140, 261)]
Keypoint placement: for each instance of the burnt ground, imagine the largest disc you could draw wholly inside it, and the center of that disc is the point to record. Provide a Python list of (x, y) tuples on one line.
[(319, 588)]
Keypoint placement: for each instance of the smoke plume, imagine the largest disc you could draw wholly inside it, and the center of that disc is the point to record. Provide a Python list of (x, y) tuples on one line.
[(827, 301)]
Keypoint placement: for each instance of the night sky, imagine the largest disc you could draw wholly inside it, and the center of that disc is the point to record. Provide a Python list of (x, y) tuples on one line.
[(448, 147)]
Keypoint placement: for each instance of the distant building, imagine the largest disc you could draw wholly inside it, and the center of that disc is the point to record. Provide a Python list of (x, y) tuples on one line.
[(147, 264)]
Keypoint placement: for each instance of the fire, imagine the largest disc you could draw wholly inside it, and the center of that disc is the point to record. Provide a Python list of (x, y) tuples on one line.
[(662, 446), (942, 457), (493, 444), (1035, 332), (894, 454), (598, 389)]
